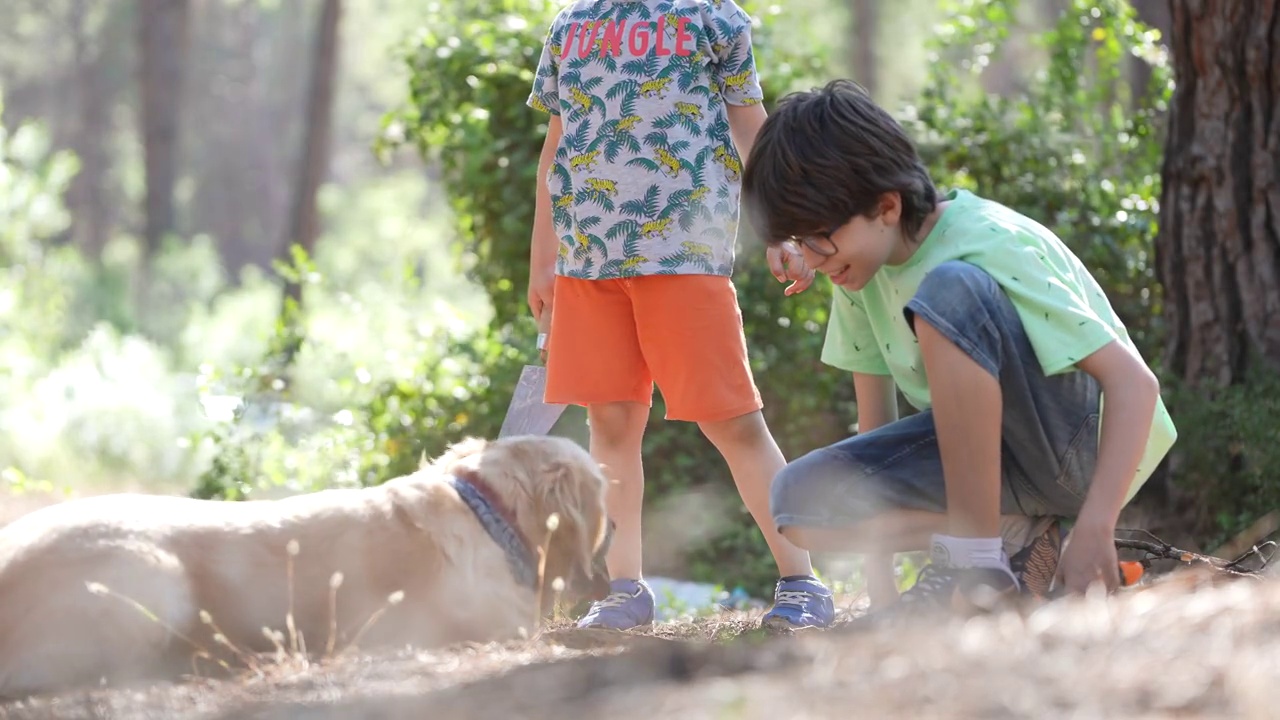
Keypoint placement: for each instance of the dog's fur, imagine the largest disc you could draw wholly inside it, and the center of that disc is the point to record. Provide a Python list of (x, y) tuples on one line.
[(177, 557)]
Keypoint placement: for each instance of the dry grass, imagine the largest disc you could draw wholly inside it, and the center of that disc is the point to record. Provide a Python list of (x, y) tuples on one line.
[(1184, 647), (1181, 648)]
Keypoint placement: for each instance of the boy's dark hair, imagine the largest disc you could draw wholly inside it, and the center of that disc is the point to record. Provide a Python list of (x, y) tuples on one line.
[(827, 155)]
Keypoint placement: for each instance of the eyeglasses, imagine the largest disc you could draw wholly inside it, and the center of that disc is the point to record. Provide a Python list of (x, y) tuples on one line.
[(820, 243)]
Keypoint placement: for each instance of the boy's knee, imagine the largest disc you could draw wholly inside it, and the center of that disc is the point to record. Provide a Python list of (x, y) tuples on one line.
[(958, 287), (618, 424), (957, 291), (797, 493), (801, 500), (747, 430), (844, 486)]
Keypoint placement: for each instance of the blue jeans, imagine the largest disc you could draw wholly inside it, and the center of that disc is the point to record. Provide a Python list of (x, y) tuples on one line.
[(1049, 425)]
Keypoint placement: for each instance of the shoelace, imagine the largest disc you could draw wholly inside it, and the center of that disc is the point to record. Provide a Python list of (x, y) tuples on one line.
[(792, 598), (614, 600), (929, 582)]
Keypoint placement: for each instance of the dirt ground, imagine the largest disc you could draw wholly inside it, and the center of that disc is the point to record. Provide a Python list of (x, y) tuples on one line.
[(1183, 647)]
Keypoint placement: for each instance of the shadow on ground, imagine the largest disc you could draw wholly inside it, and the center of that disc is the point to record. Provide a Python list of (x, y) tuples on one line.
[(1185, 646)]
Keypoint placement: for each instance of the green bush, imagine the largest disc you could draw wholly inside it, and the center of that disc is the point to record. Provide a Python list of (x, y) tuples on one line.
[(471, 68), (79, 397), (1226, 457), (35, 272)]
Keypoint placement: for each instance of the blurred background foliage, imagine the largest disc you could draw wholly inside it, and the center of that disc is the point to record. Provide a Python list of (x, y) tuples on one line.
[(162, 361)]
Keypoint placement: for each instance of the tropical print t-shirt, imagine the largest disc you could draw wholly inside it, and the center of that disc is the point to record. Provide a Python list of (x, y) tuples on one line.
[(646, 178)]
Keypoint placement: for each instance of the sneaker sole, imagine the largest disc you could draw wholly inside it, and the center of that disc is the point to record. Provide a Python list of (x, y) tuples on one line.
[(776, 622), (605, 626), (1041, 562)]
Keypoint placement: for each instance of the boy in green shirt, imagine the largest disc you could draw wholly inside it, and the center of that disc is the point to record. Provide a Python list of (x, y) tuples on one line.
[(991, 327)]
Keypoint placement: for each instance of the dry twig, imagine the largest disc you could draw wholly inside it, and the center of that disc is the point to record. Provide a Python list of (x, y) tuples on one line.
[(1156, 549)]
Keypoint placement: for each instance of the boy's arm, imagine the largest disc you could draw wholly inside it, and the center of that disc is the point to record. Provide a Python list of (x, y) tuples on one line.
[(544, 244), (1130, 391), (745, 122), (877, 400)]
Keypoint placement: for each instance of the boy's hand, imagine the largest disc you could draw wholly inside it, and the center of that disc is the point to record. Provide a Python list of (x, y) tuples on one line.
[(541, 292), (786, 263), (1089, 556)]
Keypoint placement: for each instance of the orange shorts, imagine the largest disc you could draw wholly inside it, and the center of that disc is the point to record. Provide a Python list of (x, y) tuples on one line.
[(611, 340)]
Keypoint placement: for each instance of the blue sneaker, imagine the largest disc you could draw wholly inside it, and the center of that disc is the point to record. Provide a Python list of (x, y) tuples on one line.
[(800, 601), (942, 588), (628, 605), (959, 590)]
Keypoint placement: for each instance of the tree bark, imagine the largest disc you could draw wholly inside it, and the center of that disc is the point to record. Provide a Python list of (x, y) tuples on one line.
[(87, 197), (236, 171), (304, 220), (866, 26), (1218, 249), (163, 41)]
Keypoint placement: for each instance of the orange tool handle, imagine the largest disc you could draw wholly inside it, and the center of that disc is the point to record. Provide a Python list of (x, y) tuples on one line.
[(1130, 572)]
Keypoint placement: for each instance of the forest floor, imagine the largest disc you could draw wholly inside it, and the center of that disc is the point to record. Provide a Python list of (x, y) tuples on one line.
[(1187, 645)]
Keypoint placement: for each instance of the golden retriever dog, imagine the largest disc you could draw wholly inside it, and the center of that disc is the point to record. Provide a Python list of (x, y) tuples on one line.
[(128, 587)]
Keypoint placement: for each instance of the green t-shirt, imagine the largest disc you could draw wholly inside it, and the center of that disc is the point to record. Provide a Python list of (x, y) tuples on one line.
[(1063, 309)]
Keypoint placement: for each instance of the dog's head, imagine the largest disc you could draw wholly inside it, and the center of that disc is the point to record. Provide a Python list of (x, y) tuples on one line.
[(539, 477)]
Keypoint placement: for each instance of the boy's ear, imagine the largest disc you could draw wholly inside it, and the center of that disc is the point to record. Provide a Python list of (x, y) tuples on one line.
[(890, 207)]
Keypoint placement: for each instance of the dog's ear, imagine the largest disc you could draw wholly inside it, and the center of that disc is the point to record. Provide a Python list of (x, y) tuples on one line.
[(574, 493), (456, 452)]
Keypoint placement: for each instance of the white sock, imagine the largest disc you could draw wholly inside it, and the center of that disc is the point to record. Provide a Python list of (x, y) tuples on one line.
[(970, 553)]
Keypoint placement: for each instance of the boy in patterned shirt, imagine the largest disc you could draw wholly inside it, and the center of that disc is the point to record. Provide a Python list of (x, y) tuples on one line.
[(992, 328), (653, 104)]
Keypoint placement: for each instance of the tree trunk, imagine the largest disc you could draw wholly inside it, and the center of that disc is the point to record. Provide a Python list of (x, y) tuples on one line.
[(163, 41), (304, 221), (231, 58), (87, 196), (866, 27), (1218, 250)]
